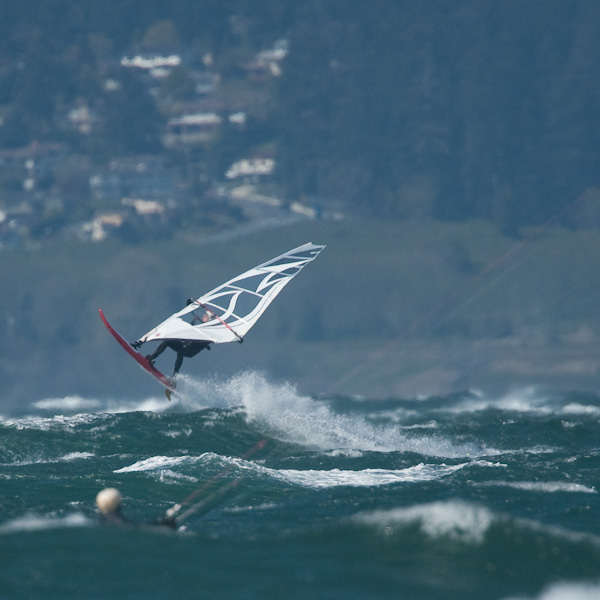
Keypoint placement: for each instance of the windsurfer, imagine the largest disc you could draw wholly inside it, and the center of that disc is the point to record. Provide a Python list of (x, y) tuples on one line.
[(109, 502), (183, 348)]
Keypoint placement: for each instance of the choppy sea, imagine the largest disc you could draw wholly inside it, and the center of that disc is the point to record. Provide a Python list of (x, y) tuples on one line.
[(286, 496)]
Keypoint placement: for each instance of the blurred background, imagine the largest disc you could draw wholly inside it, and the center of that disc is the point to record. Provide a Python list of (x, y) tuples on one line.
[(447, 154)]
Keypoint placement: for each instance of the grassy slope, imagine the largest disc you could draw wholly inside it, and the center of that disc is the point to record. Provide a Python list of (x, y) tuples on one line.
[(389, 308)]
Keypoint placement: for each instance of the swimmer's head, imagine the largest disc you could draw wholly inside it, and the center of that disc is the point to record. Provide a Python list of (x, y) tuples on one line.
[(109, 501)]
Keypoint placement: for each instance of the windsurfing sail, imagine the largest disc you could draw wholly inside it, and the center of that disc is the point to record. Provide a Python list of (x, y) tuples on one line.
[(234, 307)]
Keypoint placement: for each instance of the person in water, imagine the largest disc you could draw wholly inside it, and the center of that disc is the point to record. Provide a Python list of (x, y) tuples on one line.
[(183, 348), (109, 502)]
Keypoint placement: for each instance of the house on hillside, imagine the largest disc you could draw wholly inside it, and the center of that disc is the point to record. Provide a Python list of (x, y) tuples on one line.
[(157, 66), (141, 177), (100, 226), (32, 164), (252, 169), (191, 129), (267, 63)]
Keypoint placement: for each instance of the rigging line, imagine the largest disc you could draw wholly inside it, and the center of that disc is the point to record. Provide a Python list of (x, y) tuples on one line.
[(476, 293), (227, 310), (443, 304), (208, 501), (176, 510), (423, 320)]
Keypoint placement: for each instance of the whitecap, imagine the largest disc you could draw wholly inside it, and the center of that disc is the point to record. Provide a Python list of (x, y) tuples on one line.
[(398, 415), (460, 521), (76, 456), (344, 453), (300, 419), (175, 433), (575, 408), (79, 404), (71, 456), (527, 400), (39, 523), (170, 476), (155, 463), (68, 403), (64, 423), (146, 405), (550, 487), (311, 478), (319, 479), (566, 591)]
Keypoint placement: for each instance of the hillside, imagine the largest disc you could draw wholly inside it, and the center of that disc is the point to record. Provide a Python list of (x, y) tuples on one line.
[(408, 309), (447, 152), (134, 117)]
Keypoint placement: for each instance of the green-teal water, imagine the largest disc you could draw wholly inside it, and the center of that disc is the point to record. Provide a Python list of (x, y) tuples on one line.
[(464, 497)]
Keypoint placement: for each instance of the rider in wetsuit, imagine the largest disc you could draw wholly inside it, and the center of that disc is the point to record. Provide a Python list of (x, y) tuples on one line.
[(109, 503), (183, 348)]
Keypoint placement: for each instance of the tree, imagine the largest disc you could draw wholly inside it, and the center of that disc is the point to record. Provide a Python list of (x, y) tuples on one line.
[(161, 37), (130, 120)]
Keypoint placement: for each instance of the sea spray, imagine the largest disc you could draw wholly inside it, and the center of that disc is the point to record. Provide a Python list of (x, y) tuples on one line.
[(301, 419)]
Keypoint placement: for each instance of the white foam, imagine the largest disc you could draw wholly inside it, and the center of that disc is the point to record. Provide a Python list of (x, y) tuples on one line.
[(575, 408), (175, 433), (78, 404), (170, 476), (527, 400), (38, 523), (156, 463), (319, 479), (566, 591), (71, 456), (76, 456), (398, 415), (68, 403), (550, 487), (198, 394), (345, 453), (311, 478), (460, 521), (73, 411), (61, 422), (146, 405)]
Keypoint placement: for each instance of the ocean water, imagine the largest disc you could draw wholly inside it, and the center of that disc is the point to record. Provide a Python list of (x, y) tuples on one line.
[(287, 496)]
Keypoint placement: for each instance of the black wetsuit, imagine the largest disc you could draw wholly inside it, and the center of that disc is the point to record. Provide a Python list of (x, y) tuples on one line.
[(184, 349), (116, 518)]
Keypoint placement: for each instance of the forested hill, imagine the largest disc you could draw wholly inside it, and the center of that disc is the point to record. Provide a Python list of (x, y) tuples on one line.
[(453, 109), (392, 108)]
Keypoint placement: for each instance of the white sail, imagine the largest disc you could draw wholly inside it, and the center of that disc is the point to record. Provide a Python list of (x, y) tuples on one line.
[(235, 306)]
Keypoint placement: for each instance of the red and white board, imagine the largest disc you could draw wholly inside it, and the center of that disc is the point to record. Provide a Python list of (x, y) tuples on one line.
[(141, 360)]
